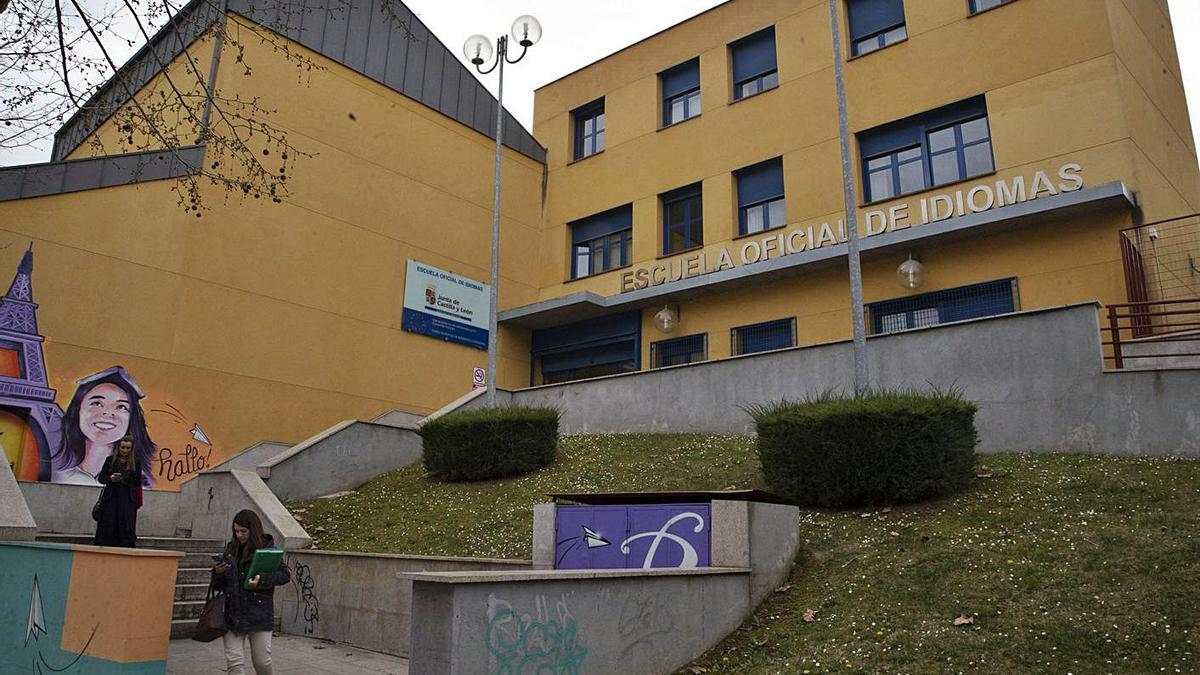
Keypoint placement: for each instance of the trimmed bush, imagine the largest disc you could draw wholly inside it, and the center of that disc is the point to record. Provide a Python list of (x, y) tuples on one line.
[(882, 448), (490, 443)]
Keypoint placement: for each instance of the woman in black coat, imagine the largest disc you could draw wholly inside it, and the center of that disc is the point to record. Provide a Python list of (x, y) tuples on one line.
[(249, 614), (117, 524)]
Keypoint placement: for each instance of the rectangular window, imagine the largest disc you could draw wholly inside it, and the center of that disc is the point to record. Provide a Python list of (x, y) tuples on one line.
[(762, 337), (760, 196), (981, 5), (589, 128), (681, 92), (683, 219), (606, 345), (602, 242), (676, 352), (875, 24), (754, 66), (939, 147), (955, 304)]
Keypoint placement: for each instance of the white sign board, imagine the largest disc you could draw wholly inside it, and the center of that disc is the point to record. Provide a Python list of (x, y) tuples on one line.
[(446, 306)]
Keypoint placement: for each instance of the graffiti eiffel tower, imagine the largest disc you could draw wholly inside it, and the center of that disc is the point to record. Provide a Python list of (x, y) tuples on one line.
[(26, 399)]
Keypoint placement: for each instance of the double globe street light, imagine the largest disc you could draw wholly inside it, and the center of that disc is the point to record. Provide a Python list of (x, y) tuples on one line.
[(526, 31)]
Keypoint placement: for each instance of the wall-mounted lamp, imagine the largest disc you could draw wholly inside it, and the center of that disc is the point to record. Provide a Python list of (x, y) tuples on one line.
[(667, 319), (911, 273)]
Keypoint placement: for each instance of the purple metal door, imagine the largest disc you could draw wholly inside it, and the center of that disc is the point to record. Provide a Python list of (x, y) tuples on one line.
[(635, 536)]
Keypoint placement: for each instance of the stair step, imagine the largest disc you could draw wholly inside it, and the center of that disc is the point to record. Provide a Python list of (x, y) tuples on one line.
[(187, 609), (193, 575), (182, 628), (185, 544), (190, 591)]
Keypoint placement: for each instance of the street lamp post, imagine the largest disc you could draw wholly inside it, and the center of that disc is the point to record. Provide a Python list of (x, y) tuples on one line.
[(862, 378), (478, 49)]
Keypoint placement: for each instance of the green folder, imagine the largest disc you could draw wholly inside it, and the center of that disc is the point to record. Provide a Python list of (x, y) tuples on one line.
[(265, 560)]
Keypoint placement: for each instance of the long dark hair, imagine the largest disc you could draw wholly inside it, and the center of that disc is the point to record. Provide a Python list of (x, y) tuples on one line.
[(254, 541), (127, 463), (74, 446)]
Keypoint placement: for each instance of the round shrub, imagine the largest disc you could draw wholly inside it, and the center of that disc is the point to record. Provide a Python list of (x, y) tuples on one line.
[(490, 442), (882, 448)]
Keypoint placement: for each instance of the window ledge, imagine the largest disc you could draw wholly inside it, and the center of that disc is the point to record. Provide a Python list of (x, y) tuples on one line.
[(583, 159), (989, 9), (760, 232), (672, 254), (597, 274), (754, 95), (864, 55), (943, 186), (676, 124)]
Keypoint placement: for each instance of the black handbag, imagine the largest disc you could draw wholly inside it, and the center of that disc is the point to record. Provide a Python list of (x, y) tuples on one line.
[(211, 624), (99, 504)]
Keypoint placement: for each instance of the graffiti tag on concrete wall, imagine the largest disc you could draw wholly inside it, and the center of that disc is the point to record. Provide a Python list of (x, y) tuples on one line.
[(539, 643)]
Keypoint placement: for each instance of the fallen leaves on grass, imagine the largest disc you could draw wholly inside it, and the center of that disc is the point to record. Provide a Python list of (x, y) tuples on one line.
[(783, 589), (964, 621), (809, 616)]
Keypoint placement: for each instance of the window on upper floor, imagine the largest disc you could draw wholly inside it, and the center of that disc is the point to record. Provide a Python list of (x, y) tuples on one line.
[(589, 128), (953, 304), (754, 66), (875, 24), (762, 337), (981, 5), (760, 196), (941, 146), (683, 219), (602, 242), (678, 351), (680, 92)]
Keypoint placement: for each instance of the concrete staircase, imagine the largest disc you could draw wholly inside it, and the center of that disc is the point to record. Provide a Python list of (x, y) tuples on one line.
[(191, 581)]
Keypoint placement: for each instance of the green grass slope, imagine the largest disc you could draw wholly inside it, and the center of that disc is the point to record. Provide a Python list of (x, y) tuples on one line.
[(1063, 563)]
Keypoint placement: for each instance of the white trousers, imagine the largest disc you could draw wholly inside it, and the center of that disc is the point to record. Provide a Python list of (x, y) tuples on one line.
[(260, 651)]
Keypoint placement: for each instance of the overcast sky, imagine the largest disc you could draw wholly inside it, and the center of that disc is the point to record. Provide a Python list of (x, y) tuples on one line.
[(578, 32)]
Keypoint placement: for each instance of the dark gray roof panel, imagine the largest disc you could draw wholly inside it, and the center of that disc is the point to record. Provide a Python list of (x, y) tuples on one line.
[(381, 39), (75, 175), (191, 21)]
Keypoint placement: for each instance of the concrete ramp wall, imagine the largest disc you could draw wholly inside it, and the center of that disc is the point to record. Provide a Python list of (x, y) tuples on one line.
[(1037, 376)]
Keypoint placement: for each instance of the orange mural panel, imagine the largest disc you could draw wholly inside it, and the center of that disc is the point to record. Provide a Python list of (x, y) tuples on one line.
[(108, 589)]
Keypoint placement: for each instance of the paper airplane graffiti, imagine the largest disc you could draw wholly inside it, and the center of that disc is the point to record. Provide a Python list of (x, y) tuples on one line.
[(37, 622), (199, 435), (594, 539)]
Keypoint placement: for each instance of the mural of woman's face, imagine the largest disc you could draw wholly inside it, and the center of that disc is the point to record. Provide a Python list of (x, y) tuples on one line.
[(104, 415)]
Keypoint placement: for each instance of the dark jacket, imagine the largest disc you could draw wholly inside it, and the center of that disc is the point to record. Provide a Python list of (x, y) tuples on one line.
[(117, 525), (245, 610)]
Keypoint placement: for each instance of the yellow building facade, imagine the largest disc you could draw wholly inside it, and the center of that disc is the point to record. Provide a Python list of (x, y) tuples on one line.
[(1001, 145), (1067, 120)]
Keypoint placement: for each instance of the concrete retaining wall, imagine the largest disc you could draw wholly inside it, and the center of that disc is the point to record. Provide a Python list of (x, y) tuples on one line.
[(342, 457), (203, 508), (1037, 377), (361, 599), (567, 621), (68, 509), (251, 457)]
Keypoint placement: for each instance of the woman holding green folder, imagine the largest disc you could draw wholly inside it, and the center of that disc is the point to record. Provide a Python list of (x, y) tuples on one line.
[(249, 593)]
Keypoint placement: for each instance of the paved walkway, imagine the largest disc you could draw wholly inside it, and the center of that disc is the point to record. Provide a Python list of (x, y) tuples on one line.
[(289, 655)]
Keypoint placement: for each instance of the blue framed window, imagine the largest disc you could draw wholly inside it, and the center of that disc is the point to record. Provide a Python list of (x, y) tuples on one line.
[(983, 5), (954, 304), (762, 337), (760, 197), (875, 24), (606, 345), (683, 219), (939, 147), (754, 65), (681, 92), (678, 351), (602, 242), (589, 128)]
